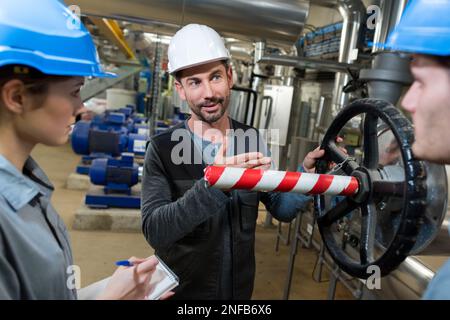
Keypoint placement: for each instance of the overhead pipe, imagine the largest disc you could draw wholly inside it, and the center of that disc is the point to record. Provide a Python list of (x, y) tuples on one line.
[(309, 63), (277, 22), (353, 13), (240, 53)]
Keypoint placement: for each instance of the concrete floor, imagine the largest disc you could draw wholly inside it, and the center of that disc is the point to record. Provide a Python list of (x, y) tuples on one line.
[(96, 251)]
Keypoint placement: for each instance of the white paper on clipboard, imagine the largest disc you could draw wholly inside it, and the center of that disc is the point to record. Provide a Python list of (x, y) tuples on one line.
[(163, 280)]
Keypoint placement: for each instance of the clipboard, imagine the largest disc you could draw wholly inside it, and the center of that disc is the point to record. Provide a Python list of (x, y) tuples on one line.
[(163, 280)]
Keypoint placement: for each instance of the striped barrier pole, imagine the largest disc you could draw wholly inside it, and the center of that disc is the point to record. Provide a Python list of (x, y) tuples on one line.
[(229, 178)]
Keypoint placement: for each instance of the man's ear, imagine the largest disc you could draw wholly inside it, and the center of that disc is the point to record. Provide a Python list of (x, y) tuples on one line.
[(180, 90), (230, 77), (13, 95)]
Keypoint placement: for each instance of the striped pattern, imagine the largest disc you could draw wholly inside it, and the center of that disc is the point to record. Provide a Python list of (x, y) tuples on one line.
[(228, 178)]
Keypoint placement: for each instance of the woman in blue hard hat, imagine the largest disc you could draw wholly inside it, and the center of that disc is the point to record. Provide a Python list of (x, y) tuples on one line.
[(43, 62), (424, 30)]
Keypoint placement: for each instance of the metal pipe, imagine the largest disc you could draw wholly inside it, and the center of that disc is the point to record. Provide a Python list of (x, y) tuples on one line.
[(389, 74), (278, 22), (240, 53), (295, 116), (325, 3), (353, 13), (308, 63), (250, 93), (257, 83), (156, 27), (390, 70)]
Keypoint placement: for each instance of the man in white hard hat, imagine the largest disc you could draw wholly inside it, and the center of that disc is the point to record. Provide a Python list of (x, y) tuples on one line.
[(206, 235)]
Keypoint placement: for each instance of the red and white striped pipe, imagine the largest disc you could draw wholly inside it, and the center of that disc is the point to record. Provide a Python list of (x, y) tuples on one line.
[(228, 178)]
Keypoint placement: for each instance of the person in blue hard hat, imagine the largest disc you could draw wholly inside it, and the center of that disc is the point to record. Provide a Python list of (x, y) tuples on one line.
[(43, 62), (424, 31)]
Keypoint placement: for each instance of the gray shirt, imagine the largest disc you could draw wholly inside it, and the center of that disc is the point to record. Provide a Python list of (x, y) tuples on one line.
[(209, 152), (35, 251)]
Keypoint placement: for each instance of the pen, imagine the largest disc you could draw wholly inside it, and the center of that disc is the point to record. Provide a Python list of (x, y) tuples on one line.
[(124, 263)]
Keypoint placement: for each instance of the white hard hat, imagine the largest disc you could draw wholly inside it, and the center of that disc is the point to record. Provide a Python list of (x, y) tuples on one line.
[(193, 45)]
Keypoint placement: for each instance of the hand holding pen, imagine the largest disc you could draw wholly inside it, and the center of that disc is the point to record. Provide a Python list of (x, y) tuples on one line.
[(133, 261), (127, 263), (131, 282)]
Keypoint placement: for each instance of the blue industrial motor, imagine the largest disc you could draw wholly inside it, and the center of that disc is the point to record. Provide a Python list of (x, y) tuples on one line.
[(141, 129), (105, 137), (132, 119), (118, 176)]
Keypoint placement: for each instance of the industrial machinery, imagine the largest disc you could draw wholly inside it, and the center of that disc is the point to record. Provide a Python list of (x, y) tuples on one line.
[(375, 205), (118, 176), (107, 136)]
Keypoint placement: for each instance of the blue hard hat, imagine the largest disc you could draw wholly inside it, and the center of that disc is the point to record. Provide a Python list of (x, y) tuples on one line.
[(47, 36), (424, 28)]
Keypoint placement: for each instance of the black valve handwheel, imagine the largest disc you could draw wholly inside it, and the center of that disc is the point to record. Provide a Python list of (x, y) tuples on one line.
[(361, 216)]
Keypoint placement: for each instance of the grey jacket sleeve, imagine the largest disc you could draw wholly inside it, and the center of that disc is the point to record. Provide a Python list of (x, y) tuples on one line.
[(9, 283), (165, 221)]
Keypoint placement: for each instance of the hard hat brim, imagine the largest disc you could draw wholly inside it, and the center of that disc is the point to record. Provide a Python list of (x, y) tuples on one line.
[(198, 64), (50, 66)]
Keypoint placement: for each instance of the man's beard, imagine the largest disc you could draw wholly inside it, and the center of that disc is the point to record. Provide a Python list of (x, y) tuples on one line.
[(213, 117)]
